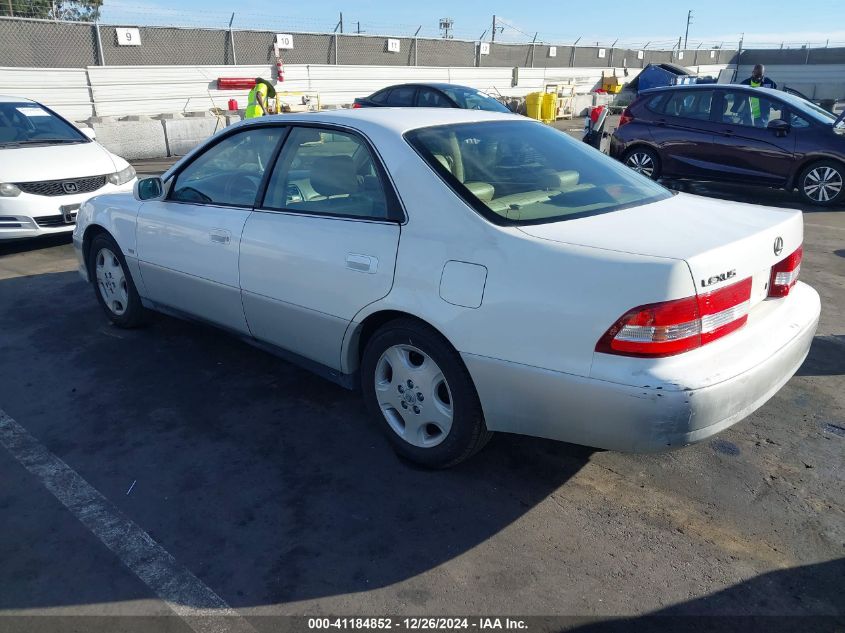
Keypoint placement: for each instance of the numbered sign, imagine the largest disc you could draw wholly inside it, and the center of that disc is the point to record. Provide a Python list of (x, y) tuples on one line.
[(552, 51), (681, 55), (128, 37), (712, 54), (602, 52), (284, 40), (640, 55), (484, 48), (393, 46)]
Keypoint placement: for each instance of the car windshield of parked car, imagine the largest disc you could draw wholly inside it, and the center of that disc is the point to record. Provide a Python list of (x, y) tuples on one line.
[(524, 172), (470, 99), (29, 124)]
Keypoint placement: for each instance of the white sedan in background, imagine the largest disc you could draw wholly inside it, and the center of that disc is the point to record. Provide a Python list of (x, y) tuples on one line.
[(48, 168), (473, 272)]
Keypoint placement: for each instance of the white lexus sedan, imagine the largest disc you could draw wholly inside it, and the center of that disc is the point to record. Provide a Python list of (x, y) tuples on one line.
[(472, 272), (48, 168)]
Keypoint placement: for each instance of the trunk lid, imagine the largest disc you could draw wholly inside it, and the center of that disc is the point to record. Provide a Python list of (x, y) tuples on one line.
[(722, 242)]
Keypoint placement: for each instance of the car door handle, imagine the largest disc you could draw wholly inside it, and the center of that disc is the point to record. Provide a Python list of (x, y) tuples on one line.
[(362, 263), (728, 132), (660, 122), (221, 236)]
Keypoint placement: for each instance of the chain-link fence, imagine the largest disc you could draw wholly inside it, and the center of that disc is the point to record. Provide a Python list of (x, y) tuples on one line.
[(64, 44), (53, 43)]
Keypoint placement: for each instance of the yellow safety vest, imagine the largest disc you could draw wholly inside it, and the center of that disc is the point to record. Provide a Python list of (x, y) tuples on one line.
[(755, 102), (254, 110)]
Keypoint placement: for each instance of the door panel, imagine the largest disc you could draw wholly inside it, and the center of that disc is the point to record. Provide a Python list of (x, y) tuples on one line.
[(309, 265), (188, 245), (683, 133), (747, 148), (188, 255), (303, 279)]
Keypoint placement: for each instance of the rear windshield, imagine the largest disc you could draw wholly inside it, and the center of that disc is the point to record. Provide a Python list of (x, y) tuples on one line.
[(524, 172), (30, 124), (470, 99)]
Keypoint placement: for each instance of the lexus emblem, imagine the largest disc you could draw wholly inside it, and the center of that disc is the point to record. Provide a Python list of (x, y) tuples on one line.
[(778, 245), (70, 187)]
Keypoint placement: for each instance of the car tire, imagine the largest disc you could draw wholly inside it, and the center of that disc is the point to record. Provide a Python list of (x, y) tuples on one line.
[(822, 183), (643, 161), (113, 283), (416, 385)]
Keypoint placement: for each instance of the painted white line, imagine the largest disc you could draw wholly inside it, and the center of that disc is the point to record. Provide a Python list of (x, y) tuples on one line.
[(202, 609)]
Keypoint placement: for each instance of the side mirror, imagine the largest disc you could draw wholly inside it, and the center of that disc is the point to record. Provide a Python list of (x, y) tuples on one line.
[(148, 189), (779, 127), (89, 132)]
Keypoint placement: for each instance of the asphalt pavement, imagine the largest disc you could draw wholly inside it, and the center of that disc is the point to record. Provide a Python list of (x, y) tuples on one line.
[(154, 471)]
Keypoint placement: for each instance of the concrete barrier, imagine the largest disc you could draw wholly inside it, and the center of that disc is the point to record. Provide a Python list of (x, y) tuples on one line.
[(143, 138), (182, 135)]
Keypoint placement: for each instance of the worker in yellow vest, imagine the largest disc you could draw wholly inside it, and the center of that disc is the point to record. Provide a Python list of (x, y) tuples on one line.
[(259, 96), (758, 79)]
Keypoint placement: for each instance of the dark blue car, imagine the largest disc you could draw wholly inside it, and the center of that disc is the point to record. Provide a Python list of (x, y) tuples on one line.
[(734, 133)]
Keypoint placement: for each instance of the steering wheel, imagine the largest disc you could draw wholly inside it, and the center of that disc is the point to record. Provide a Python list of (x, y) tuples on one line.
[(239, 183)]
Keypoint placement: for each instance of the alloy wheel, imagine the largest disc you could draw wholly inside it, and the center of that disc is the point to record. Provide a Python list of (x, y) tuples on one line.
[(413, 396), (641, 163), (111, 281), (823, 184)]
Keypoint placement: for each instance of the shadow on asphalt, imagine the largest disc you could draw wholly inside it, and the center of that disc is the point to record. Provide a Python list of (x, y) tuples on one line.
[(270, 484), (741, 192), (12, 247), (826, 357), (756, 605)]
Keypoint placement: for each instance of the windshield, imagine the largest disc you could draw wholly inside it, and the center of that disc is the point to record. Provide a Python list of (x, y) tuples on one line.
[(470, 99), (524, 172), (29, 124)]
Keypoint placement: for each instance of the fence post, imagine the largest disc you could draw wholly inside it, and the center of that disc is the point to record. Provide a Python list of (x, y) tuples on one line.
[(533, 46), (101, 57), (232, 41), (572, 55), (336, 61)]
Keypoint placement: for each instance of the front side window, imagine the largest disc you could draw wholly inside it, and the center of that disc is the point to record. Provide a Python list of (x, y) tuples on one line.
[(229, 173), (690, 104), (522, 172), (326, 172), (29, 124), (741, 107)]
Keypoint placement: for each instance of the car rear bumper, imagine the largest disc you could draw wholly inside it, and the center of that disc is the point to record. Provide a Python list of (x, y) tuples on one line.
[(665, 413)]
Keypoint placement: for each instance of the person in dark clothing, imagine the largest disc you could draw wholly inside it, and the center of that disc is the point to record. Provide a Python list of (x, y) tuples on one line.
[(758, 78)]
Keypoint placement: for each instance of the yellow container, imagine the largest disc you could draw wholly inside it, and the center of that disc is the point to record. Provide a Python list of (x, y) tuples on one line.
[(533, 105), (611, 84), (547, 111)]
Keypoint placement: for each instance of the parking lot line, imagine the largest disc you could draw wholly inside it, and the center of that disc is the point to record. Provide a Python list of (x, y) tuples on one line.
[(185, 594)]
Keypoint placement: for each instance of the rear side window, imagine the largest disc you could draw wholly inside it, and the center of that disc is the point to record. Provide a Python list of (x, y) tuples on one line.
[(655, 104), (326, 172), (380, 96), (690, 104), (402, 96), (428, 98)]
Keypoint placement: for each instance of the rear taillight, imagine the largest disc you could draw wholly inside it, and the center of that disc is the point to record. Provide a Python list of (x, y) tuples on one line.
[(626, 117), (672, 327), (785, 274), (355, 104)]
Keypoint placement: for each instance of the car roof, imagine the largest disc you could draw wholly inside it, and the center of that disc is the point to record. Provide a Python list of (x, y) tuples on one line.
[(442, 85), (777, 93), (396, 120), (11, 99)]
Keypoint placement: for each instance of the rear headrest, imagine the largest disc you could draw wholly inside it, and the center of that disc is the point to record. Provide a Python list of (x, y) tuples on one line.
[(444, 160), (334, 175), (562, 180)]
